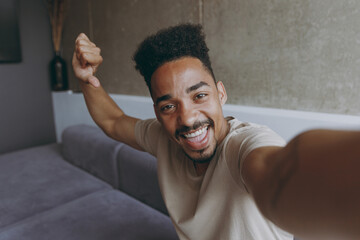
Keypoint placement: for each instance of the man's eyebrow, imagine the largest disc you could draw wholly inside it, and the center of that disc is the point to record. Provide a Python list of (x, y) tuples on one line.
[(188, 90), (163, 98), (196, 86)]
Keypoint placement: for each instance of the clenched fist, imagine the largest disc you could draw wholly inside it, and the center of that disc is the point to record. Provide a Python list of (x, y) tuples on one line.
[(86, 60)]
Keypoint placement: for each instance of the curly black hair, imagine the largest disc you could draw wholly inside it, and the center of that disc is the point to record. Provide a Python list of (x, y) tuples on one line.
[(171, 44)]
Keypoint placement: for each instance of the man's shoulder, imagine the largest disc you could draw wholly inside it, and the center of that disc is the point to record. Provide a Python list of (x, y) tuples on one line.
[(148, 132), (147, 124), (237, 126), (246, 136)]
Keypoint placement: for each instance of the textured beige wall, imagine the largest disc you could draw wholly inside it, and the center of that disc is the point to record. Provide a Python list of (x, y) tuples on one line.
[(298, 54), (117, 27)]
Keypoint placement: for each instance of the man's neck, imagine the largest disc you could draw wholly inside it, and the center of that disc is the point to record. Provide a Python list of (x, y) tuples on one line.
[(200, 168)]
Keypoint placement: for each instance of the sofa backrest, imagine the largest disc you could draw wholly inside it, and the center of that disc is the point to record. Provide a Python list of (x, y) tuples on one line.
[(125, 168), (90, 149)]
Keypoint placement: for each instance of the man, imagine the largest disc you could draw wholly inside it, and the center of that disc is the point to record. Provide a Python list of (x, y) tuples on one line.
[(214, 169)]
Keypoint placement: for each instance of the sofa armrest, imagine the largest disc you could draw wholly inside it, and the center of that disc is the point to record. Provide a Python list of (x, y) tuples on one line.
[(90, 149)]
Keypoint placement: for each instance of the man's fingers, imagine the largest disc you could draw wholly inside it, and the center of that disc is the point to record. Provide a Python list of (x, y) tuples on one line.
[(87, 48), (82, 39), (86, 60), (87, 52), (90, 58), (84, 42), (84, 51), (83, 35)]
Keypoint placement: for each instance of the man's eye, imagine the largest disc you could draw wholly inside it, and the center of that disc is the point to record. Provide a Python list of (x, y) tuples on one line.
[(200, 96), (167, 108)]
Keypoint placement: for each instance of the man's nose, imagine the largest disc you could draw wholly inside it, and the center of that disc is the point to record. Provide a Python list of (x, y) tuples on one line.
[(187, 116)]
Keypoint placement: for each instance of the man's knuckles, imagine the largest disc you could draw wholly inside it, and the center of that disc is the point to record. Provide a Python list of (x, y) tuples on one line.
[(84, 42), (89, 58), (89, 49), (83, 35)]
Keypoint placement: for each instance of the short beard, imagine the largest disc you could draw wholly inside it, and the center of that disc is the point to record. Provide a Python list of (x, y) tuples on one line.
[(202, 158)]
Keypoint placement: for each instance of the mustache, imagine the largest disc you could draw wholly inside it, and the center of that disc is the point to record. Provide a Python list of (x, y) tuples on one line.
[(196, 125)]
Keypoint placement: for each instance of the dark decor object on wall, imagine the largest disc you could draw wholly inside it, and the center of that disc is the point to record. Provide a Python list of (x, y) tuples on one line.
[(58, 71), (59, 80), (10, 50)]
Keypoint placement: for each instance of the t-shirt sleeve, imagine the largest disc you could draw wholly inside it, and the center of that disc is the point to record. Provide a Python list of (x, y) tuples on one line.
[(243, 141), (147, 133)]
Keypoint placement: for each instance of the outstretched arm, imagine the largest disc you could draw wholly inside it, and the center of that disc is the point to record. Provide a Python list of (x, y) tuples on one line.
[(311, 187), (104, 111)]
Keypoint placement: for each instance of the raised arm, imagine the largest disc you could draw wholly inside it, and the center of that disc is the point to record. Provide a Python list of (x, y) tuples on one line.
[(104, 111), (311, 187)]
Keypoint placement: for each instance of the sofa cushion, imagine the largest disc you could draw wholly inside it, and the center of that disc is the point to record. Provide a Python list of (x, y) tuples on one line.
[(90, 149), (108, 214), (138, 177), (38, 179)]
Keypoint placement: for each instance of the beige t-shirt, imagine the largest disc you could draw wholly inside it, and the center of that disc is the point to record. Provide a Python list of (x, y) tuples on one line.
[(215, 205)]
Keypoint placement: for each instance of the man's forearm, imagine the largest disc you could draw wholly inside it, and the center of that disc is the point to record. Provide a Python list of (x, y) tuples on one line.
[(314, 186), (104, 111), (101, 106)]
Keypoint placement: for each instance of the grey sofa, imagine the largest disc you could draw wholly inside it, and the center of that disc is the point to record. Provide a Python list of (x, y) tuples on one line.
[(88, 187)]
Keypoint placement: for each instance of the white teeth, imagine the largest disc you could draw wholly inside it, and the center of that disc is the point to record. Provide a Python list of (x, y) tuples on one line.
[(195, 134)]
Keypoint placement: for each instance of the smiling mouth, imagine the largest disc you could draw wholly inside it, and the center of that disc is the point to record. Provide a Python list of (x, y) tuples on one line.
[(196, 140), (197, 129), (195, 134)]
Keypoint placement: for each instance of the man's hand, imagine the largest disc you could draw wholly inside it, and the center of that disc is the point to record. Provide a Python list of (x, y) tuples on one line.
[(86, 60)]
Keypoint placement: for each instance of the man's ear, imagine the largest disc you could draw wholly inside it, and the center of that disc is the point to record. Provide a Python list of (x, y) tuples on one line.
[(222, 92)]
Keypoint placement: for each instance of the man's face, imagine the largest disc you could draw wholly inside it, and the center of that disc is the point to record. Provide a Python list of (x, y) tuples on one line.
[(188, 104)]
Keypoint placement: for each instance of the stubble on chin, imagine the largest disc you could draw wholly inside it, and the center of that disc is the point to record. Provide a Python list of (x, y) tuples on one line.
[(203, 157)]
